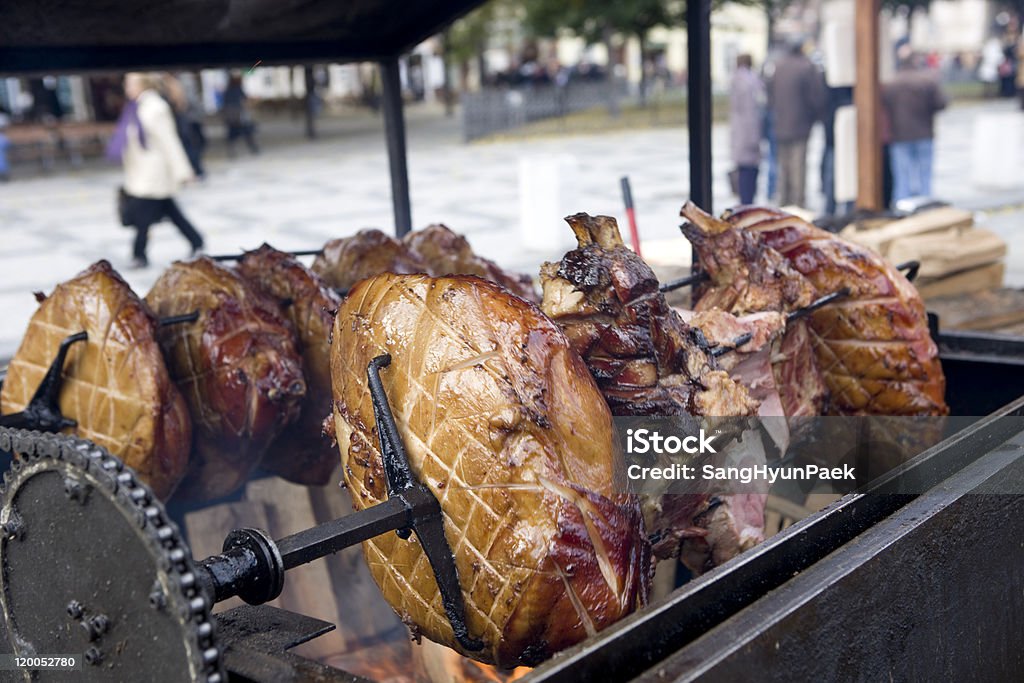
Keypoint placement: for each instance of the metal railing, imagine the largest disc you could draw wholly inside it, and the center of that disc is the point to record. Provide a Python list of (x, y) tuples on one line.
[(497, 109)]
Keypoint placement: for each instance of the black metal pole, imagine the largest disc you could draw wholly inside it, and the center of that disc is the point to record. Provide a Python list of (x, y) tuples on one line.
[(698, 46), (394, 131), (310, 82)]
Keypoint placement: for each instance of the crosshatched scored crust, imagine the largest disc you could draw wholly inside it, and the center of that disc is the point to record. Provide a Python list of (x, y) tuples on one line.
[(116, 384), (505, 425)]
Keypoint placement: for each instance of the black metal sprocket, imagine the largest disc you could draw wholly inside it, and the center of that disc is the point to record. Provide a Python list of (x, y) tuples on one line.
[(90, 564)]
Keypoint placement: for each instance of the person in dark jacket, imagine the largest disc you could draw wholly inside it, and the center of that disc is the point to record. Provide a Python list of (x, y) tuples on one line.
[(797, 97), (235, 112), (911, 100), (746, 106)]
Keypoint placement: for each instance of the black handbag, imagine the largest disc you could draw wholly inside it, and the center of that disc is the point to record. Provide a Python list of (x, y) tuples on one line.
[(123, 206), (734, 181)]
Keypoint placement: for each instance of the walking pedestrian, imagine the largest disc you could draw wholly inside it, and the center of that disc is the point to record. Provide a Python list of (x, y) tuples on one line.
[(188, 117), (1020, 69), (5, 168), (796, 92), (235, 112), (155, 165), (746, 107), (912, 99), (838, 97)]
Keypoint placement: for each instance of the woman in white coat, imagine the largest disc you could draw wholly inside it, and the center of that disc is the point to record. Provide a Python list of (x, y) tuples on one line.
[(155, 164)]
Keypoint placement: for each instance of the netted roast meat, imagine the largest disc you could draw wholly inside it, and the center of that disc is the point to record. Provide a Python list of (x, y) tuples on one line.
[(302, 453), (115, 384), (448, 253), (873, 348), (504, 424), (347, 260), (237, 366), (645, 359)]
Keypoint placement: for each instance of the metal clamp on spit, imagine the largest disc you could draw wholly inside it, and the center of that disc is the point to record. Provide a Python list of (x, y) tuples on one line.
[(42, 413), (252, 565)]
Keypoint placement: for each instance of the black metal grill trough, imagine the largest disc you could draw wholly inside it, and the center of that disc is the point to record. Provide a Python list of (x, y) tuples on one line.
[(916, 578)]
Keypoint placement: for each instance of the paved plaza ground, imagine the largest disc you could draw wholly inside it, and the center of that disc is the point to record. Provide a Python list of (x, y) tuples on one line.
[(297, 194)]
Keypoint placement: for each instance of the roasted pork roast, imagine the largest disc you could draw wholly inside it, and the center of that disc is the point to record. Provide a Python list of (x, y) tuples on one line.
[(503, 422), (302, 453), (237, 366), (646, 360), (115, 384), (449, 253), (873, 348), (347, 260)]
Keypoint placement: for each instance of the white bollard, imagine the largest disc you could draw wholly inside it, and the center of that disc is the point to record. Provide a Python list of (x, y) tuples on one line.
[(996, 152), (547, 194)]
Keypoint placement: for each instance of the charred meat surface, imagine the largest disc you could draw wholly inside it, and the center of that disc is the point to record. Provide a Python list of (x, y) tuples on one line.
[(645, 359), (369, 252), (748, 276), (116, 384), (449, 253), (505, 425), (750, 362), (873, 348), (237, 366), (302, 453)]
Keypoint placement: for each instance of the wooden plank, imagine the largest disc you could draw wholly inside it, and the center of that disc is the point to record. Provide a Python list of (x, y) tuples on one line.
[(880, 238), (952, 251), (975, 280), (308, 588), (207, 529), (353, 586), (867, 99), (994, 322)]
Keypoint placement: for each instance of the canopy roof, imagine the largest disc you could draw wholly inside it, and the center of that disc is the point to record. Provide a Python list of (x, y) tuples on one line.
[(86, 35)]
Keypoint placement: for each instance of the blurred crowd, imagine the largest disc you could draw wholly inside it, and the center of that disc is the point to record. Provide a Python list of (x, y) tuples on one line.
[(774, 109)]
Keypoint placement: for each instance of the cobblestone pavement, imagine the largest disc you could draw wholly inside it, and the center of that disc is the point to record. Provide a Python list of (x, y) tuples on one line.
[(297, 194)]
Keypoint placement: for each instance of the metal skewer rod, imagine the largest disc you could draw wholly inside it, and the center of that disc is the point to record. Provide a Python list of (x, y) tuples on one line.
[(296, 252), (911, 268), (177, 319), (253, 565), (791, 317), (694, 279)]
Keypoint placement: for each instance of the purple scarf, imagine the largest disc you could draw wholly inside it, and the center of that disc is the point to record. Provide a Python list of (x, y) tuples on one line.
[(119, 140)]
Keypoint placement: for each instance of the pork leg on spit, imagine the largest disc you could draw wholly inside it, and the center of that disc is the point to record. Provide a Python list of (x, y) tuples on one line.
[(647, 361), (448, 253), (237, 366), (347, 260), (116, 385), (302, 453), (874, 349), (505, 425)]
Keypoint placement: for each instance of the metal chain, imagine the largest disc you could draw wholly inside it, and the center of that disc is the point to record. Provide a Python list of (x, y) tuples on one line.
[(165, 540)]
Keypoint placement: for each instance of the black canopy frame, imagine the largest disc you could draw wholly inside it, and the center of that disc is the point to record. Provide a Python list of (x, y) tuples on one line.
[(76, 36)]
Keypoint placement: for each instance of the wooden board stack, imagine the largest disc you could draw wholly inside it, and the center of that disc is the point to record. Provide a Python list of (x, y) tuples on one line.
[(956, 256)]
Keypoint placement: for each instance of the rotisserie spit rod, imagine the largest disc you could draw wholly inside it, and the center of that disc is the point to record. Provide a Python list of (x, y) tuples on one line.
[(909, 267), (252, 565)]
